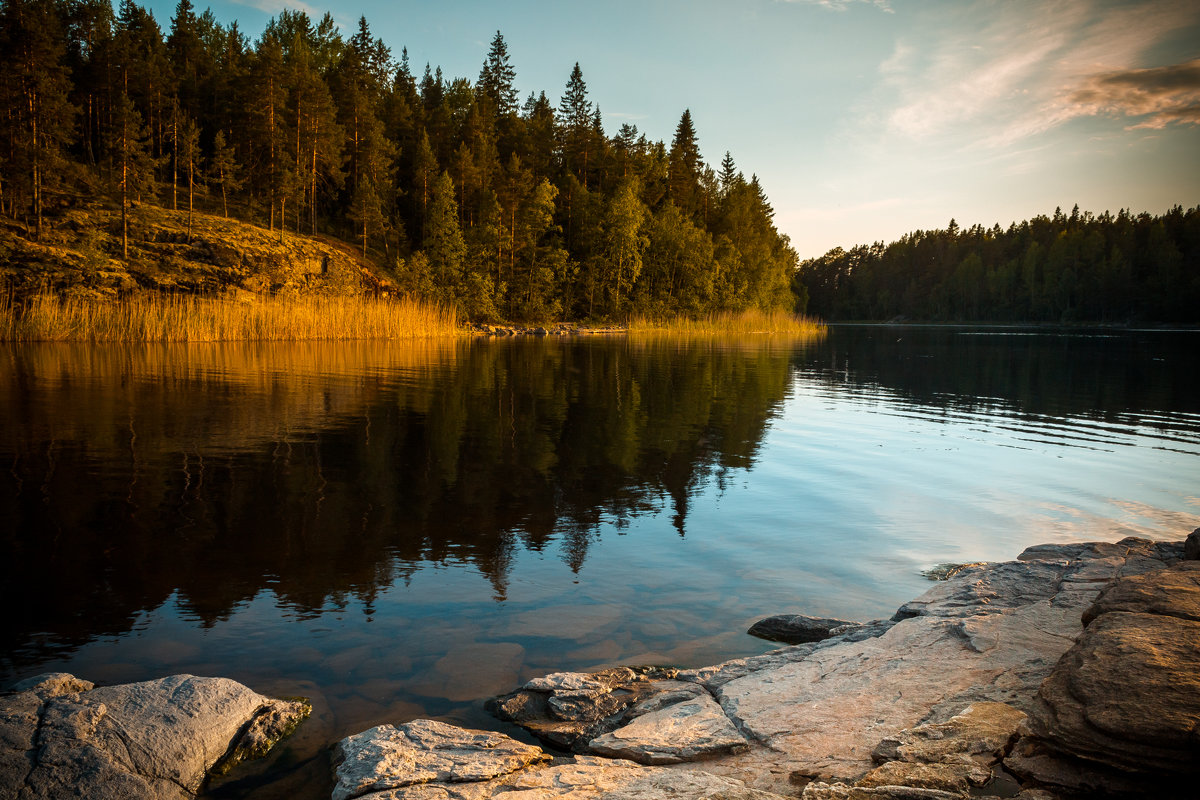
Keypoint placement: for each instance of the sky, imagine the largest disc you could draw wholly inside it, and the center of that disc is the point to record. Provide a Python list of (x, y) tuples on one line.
[(863, 119)]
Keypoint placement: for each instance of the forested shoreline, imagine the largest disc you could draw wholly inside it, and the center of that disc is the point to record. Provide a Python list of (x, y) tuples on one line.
[(1065, 268), (463, 192)]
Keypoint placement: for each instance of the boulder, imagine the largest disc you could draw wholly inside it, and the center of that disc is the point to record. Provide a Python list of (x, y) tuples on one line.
[(978, 735), (1191, 546), (569, 709), (424, 751), (796, 628), (691, 730), (1126, 695), (957, 778), (1173, 592), (155, 739)]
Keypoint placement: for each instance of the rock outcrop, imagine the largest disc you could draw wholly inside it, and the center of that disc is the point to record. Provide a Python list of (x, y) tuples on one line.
[(989, 634), (567, 710), (427, 760), (60, 737), (1121, 709)]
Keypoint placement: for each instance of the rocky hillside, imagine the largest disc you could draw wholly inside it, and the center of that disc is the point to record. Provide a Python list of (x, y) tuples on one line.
[(80, 251)]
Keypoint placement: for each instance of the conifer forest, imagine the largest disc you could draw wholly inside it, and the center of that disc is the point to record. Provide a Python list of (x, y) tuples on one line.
[(503, 207), (506, 207)]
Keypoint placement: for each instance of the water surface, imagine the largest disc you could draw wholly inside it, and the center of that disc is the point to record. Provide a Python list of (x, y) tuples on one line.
[(401, 530)]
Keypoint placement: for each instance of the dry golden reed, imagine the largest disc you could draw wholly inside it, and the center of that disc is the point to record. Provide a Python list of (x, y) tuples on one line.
[(184, 318), (731, 322)]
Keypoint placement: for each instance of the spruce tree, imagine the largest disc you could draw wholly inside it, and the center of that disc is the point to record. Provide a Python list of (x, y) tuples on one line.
[(444, 244), (575, 119), (497, 76), (685, 165), (728, 175)]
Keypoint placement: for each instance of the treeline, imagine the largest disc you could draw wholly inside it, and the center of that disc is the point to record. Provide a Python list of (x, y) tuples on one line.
[(1074, 268), (506, 208)]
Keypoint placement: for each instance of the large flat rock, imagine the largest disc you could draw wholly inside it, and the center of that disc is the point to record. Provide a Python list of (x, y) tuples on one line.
[(990, 633), (693, 729), (59, 738), (578, 778), (424, 751)]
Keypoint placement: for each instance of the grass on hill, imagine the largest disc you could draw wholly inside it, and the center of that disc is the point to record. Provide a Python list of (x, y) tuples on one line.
[(189, 318)]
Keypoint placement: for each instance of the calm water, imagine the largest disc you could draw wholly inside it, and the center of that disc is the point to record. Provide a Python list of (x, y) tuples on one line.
[(403, 530)]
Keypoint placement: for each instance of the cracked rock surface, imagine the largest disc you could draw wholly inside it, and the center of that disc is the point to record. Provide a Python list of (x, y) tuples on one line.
[(988, 634), (1122, 706), (923, 705), (60, 738)]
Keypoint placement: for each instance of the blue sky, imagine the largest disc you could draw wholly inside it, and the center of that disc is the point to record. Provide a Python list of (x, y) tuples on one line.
[(864, 119)]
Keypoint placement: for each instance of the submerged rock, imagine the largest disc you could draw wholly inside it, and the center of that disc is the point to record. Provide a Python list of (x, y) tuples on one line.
[(797, 628), (60, 738)]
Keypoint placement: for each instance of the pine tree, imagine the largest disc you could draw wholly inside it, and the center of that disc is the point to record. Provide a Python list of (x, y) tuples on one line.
[(224, 168), (89, 26), (575, 119), (39, 118), (729, 174), (189, 158), (496, 78), (133, 163), (685, 165), (424, 175), (366, 211), (266, 107), (189, 61)]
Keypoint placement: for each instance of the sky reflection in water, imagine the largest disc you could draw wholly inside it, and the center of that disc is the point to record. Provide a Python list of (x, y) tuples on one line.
[(402, 530)]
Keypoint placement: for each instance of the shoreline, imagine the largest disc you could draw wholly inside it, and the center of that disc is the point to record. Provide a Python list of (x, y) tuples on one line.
[(960, 692)]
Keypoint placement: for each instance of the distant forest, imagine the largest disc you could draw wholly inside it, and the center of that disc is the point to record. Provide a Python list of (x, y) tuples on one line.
[(1064, 268), (507, 207)]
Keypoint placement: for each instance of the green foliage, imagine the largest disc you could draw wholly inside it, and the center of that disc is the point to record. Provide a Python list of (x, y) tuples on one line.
[(1077, 268), (528, 212)]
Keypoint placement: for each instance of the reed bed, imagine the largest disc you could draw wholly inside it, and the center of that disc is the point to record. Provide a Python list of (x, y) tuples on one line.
[(729, 322), (185, 318)]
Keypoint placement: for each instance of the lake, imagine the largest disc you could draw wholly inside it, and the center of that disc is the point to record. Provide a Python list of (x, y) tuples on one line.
[(403, 529)]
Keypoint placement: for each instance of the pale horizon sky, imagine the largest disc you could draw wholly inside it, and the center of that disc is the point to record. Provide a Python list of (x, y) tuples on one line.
[(864, 119)]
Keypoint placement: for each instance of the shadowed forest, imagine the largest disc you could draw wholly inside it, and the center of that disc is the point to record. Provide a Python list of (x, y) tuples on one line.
[(507, 207), (1081, 267)]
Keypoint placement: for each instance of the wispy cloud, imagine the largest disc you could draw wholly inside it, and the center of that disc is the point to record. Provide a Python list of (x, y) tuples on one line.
[(1032, 66), (275, 6), (1164, 95), (842, 5)]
